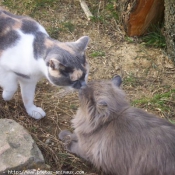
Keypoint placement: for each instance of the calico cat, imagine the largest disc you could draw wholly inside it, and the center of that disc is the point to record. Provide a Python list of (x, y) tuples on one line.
[(27, 53), (118, 138)]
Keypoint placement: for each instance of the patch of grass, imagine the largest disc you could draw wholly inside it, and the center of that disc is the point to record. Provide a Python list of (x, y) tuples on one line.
[(131, 80), (97, 54), (104, 14), (112, 10), (33, 129), (44, 3), (172, 121), (155, 38), (54, 31), (160, 101), (69, 26), (29, 7), (129, 39), (74, 107), (97, 19)]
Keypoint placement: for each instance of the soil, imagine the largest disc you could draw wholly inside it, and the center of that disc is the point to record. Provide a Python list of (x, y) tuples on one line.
[(147, 74)]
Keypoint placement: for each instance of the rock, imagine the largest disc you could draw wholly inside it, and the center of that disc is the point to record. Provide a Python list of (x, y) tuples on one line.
[(18, 151)]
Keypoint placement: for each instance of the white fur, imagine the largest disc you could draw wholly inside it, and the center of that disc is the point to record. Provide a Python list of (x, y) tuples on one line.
[(20, 59)]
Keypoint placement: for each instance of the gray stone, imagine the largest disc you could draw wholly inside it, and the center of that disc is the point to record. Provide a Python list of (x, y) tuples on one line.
[(18, 151)]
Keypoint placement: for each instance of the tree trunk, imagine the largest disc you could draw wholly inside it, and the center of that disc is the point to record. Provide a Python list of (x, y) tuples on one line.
[(138, 15), (170, 27)]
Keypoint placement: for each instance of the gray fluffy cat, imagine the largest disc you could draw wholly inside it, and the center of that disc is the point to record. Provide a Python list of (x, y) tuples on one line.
[(118, 138), (27, 53)]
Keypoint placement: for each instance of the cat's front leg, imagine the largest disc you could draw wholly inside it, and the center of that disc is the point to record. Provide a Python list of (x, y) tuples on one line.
[(28, 92), (66, 136), (68, 139), (71, 143)]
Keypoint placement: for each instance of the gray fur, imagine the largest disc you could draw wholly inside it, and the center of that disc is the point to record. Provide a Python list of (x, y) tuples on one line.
[(9, 39), (39, 49), (12, 15), (81, 45), (29, 27), (4, 23), (60, 81), (66, 58), (118, 138)]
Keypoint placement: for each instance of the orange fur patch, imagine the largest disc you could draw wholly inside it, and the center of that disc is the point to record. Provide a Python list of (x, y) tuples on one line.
[(77, 73), (4, 32), (65, 47), (48, 43), (17, 25), (54, 73)]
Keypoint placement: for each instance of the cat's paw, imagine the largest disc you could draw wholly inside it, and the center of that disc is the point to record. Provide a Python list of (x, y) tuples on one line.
[(65, 136), (36, 112), (7, 95)]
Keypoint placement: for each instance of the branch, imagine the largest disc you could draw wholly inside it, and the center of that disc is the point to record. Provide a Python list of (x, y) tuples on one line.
[(86, 9)]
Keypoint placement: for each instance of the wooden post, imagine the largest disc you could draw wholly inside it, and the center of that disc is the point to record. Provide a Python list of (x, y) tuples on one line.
[(138, 15)]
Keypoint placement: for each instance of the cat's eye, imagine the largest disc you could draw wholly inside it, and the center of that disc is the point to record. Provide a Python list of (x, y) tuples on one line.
[(65, 73), (103, 103)]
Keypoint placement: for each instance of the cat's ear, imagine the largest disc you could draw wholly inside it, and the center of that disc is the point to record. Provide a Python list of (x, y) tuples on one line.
[(117, 81), (56, 65), (81, 43)]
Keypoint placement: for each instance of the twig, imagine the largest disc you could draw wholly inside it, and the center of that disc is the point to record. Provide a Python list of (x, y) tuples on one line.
[(86, 9)]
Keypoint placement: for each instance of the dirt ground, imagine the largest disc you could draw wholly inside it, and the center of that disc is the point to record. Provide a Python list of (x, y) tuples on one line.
[(148, 75)]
